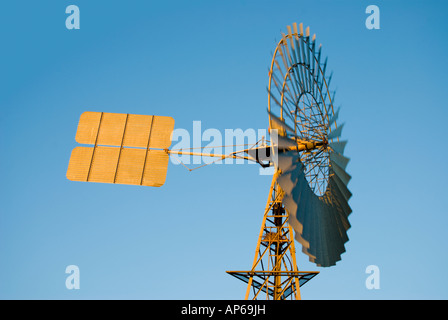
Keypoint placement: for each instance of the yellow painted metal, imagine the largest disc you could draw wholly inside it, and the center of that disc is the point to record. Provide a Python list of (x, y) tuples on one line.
[(130, 166), (303, 145), (161, 130), (127, 130), (111, 129), (79, 165), (138, 130), (88, 125), (274, 273), (233, 155), (125, 149), (104, 164), (260, 236), (109, 165)]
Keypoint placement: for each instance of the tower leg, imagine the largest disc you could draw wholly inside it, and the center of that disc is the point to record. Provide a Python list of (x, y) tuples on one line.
[(274, 273)]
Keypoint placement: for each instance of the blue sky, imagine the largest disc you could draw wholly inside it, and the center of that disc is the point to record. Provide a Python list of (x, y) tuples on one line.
[(208, 61)]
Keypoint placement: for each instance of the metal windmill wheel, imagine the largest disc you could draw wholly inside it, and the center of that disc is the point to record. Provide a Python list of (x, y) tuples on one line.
[(310, 156)]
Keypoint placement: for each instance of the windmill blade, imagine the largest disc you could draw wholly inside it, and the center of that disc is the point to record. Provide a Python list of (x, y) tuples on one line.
[(336, 133), (331, 223), (338, 147), (329, 79), (285, 142), (279, 81), (297, 195), (301, 73), (339, 159), (330, 241), (342, 210), (316, 250), (304, 215), (333, 118), (322, 250), (335, 198), (286, 50), (313, 53), (295, 38), (322, 81), (313, 228), (296, 220), (283, 56), (324, 69), (309, 223), (311, 231), (285, 103), (320, 223), (260, 154), (290, 58), (340, 221), (318, 81), (272, 96), (297, 80), (290, 36), (280, 124), (293, 221), (334, 243), (326, 255), (308, 59), (341, 173), (303, 59), (288, 161), (301, 29), (278, 85), (342, 187), (287, 183), (288, 180), (319, 53), (299, 45), (313, 59), (333, 98), (294, 27)]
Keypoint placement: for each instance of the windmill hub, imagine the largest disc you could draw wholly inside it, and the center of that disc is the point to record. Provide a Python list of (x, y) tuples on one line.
[(308, 145)]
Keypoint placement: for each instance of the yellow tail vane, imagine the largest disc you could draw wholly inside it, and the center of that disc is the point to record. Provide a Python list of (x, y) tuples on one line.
[(128, 149)]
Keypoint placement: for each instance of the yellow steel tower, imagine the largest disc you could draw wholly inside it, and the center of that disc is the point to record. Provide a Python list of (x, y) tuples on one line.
[(274, 273)]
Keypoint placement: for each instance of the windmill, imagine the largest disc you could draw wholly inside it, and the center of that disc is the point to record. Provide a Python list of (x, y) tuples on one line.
[(308, 196)]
